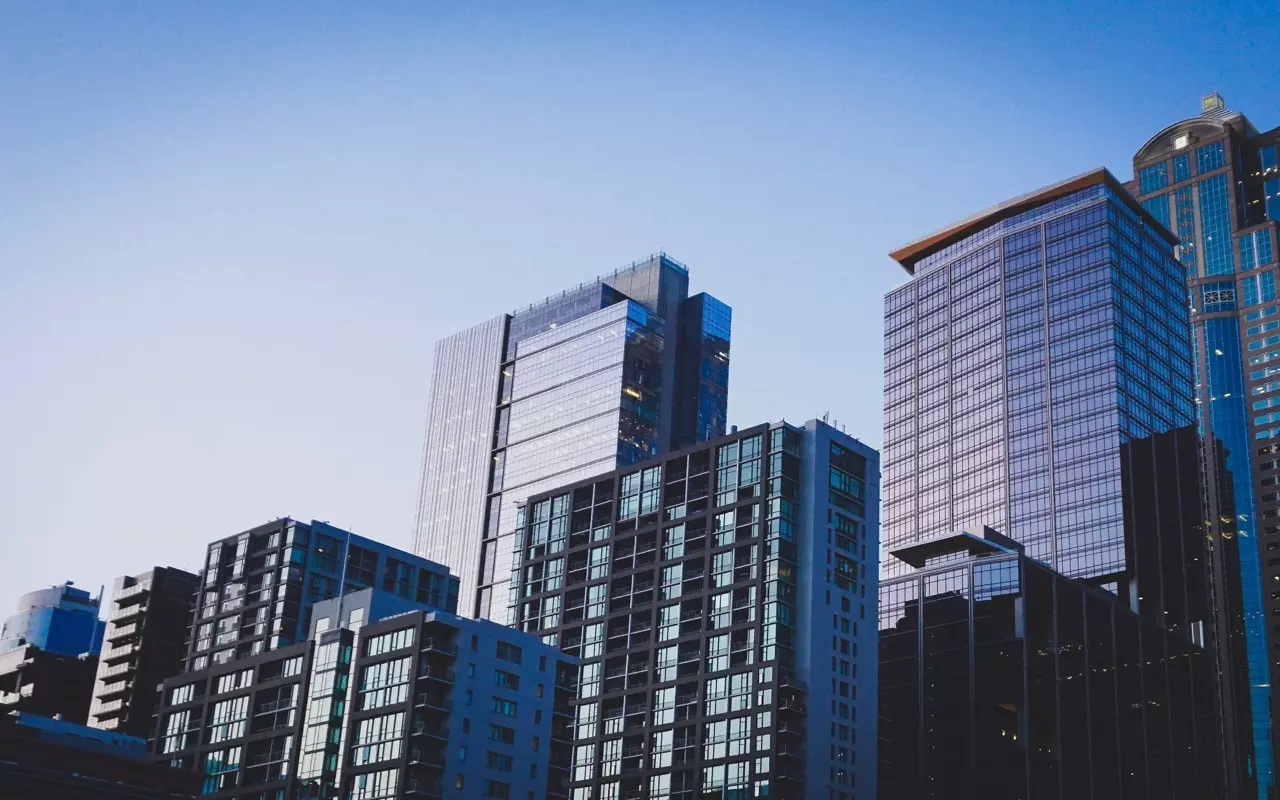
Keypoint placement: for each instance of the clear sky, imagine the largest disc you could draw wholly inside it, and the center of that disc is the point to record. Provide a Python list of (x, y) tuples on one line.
[(230, 233)]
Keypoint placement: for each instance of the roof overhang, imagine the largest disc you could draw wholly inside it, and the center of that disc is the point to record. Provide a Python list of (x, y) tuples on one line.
[(911, 254), (987, 542)]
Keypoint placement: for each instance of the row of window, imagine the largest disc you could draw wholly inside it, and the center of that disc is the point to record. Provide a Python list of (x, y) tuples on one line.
[(1209, 157)]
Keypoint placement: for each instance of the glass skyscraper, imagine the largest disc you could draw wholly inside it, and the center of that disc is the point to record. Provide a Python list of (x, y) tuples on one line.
[(1037, 346), (1213, 180), (1038, 382), (619, 369)]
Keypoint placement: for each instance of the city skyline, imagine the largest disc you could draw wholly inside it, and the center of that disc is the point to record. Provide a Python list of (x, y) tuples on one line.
[(263, 264), (198, 238)]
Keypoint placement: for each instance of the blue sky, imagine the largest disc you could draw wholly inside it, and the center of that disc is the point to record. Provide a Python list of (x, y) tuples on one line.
[(231, 233)]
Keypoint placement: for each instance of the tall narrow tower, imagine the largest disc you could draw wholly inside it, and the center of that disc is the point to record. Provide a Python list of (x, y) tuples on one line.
[(1214, 181), (600, 376)]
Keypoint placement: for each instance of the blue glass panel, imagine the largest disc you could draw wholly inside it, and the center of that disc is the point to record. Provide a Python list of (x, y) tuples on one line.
[(1248, 259), (1271, 188), (1259, 288), (1211, 157), (1267, 156), (1215, 225), (1153, 178), (1181, 167), (1228, 416), (1255, 250), (1158, 207)]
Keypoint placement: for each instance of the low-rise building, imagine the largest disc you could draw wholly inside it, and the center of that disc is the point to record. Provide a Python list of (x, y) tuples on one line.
[(44, 759), (38, 682), (1001, 678)]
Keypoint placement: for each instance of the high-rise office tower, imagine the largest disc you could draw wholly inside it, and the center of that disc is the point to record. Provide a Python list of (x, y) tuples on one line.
[(1032, 366), (37, 681), (1214, 181), (721, 599), (614, 371), (1038, 381), (145, 642), (258, 587)]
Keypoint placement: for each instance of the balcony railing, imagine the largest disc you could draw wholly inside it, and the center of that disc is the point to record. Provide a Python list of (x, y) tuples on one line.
[(114, 689), (265, 758), (275, 705), (433, 701), (432, 761), (124, 631), (135, 610), (432, 731), (431, 644), (118, 653), (431, 790), (118, 669), (9, 698), (445, 675), (109, 709), (134, 591)]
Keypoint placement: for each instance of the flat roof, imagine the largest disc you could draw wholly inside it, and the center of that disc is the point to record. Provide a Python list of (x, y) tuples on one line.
[(910, 254)]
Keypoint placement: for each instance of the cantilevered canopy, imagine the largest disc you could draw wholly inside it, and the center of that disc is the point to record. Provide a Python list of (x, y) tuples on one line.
[(975, 543), (909, 255)]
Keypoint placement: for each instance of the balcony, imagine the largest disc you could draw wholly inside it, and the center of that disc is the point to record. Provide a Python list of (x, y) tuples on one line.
[(119, 653), (268, 757), (111, 709), (431, 731), (117, 689), (134, 591), (427, 700), (272, 706), (118, 669), (429, 761), (128, 612), (12, 698), (433, 645), (431, 790), (442, 675), (119, 632)]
